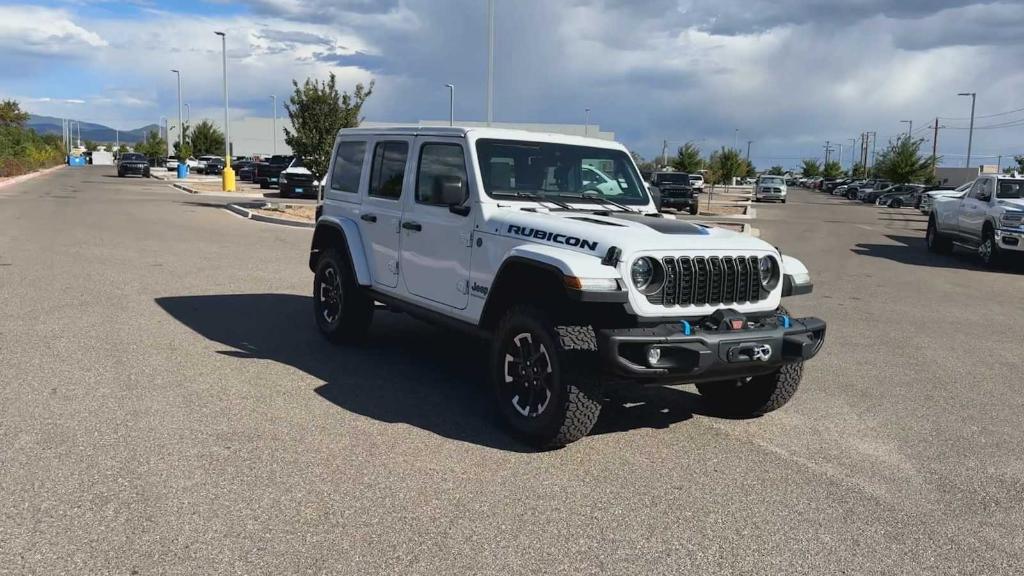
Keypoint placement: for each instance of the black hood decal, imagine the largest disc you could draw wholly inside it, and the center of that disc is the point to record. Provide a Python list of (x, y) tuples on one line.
[(663, 225)]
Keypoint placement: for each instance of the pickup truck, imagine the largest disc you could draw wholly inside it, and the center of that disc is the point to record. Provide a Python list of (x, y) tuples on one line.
[(268, 171), (989, 218)]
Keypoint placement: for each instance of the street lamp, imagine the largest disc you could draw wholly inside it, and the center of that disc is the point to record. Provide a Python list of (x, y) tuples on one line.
[(188, 114), (586, 122), (910, 126), (970, 134), (490, 61), (736, 139), (274, 138), (181, 143), (451, 104), (229, 174)]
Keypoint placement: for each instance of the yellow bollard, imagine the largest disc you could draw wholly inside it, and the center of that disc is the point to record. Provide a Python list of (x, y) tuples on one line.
[(229, 179)]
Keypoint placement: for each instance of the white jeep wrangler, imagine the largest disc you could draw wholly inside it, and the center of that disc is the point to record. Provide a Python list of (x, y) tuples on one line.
[(578, 282)]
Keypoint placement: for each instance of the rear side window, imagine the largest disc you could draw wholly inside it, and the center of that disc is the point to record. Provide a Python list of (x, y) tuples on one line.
[(388, 170), (438, 160), (348, 165)]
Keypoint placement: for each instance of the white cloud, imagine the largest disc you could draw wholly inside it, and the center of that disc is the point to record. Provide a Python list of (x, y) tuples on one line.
[(44, 31)]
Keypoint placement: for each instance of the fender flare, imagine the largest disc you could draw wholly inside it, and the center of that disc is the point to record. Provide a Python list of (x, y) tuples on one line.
[(796, 280), (349, 231)]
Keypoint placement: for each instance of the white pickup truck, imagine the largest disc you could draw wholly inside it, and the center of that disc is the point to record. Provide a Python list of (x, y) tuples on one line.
[(989, 218)]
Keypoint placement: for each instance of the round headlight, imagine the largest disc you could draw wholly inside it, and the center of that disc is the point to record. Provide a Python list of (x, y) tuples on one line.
[(642, 273), (768, 268)]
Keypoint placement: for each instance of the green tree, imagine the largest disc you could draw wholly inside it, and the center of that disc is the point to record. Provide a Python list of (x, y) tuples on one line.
[(688, 158), (317, 112), (645, 166), (902, 162), (153, 146), (832, 169), (811, 168), (11, 114), (726, 164), (90, 146), (206, 139), (857, 171), (122, 149), (776, 170), (1020, 164)]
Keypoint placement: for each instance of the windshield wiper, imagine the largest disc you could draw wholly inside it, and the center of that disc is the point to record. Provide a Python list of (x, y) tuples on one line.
[(536, 197), (600, 198)]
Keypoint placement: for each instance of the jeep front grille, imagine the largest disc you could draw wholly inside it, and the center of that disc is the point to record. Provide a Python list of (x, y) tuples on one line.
[(700, 280)]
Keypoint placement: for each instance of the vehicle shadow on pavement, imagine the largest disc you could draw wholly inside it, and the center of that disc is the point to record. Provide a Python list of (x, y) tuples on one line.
[(913, 250), (407, 372)]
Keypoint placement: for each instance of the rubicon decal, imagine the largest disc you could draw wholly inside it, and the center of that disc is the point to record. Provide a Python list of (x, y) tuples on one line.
[(552, 237)]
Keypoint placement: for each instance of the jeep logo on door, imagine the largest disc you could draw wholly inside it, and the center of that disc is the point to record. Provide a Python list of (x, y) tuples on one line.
[(552, 237)]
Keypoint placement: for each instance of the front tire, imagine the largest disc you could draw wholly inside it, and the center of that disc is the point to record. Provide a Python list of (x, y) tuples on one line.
[(343, 311), (757, 395), (897, 203), (546, 394), (988, 250)]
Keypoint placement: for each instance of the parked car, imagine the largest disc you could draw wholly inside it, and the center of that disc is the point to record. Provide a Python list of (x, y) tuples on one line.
[(831, 185), (296, 180), (899, 195), (493, 231), (245, 170), (989, 218), (268, 170), (697, 182), (928, 198), (770, 188), (133, 163), (869, 195), (214, 166), (172, 163), (926, 189), (675, 190), (858, 192)]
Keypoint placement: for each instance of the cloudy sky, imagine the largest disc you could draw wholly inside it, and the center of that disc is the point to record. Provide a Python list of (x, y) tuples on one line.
[(788, 74)]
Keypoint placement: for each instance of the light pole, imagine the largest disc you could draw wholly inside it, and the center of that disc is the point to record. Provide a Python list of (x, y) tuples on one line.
[(910, 126), (586, 122), (229, 174), (749, 142), (970, 134), (274, 137), (181, 142), (736, 139), (451, 104), (490, 61), (853, 142), (188, 114)]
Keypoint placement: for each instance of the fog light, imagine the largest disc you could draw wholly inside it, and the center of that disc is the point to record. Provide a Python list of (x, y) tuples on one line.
[(653, 355)]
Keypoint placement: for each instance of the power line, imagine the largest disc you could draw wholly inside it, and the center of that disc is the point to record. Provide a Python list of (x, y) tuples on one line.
[(1008, 112)]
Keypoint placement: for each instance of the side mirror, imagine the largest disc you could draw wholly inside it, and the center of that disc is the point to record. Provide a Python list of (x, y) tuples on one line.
[(656, 196), (451, 191)]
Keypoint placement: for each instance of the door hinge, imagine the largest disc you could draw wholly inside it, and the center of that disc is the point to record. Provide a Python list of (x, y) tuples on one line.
[(466, 238), (393, 266), (462, 286)]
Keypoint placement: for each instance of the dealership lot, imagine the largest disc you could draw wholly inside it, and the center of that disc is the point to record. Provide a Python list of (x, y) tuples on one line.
[(167, 406)]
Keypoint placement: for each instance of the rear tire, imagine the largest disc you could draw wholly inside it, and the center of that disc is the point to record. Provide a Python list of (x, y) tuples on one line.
[(546, 393), (936, 241), (343, 310), (264, 185), (896, 203), (757, 395)]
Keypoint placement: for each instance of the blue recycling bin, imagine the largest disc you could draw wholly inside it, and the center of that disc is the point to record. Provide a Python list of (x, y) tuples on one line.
[(76, 161), (182, 170)]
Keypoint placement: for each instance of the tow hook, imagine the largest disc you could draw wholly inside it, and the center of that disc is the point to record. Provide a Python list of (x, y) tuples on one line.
[(750, 352)]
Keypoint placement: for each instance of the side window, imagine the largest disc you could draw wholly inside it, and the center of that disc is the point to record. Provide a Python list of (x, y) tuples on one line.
[(348, 166), (438, 161), (388, 170), (982, 189), (975, 189)]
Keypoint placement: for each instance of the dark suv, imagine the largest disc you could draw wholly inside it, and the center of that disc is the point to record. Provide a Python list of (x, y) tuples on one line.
[(675, 190), (132, 163)]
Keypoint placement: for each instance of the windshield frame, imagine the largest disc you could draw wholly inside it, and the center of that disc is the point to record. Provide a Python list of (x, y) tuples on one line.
[(574, 197)]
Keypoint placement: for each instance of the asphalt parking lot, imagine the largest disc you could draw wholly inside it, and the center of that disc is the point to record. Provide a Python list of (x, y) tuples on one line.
[(167, 406)]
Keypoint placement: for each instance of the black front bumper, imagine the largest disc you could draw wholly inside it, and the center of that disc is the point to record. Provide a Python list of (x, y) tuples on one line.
[(707, 355), (138, 170), (670, 202)]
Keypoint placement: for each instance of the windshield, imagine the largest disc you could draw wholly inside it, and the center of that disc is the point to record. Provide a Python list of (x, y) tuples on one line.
[(132, 157), (1010, 190), (511, 167), (696, 178), (672, 178), (773, 180)]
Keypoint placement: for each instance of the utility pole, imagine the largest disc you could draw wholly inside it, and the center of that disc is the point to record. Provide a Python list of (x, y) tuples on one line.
[(586, 122), (749, 142), (970, 135), (910, 127), (840, 155), (228, 177), (736, 139), (664, 152), (874, 142), (490, 62), (853, 143), (935, 145), (181, 141), (273, 138), (828, 148)]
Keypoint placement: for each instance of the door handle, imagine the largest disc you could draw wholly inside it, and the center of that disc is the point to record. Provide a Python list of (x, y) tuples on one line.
[(414, 226), (368, 217)]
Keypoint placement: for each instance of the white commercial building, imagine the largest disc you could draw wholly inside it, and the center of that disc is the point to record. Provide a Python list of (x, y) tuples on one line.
[(254, 136)]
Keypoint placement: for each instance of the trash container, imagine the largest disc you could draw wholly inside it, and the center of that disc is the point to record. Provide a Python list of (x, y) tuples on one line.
[(182, 170)]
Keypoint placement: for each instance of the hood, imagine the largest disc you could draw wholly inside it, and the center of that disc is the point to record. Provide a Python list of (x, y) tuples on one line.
[(595, 232), (1012, 203), (297, 170)]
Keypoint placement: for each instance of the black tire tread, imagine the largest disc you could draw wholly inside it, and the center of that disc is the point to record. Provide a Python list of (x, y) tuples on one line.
[(357, 310)]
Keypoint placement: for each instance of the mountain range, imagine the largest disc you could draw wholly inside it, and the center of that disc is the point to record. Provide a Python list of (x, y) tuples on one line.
[(90, 131)]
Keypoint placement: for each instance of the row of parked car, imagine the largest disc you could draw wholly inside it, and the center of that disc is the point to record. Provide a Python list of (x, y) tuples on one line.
[(283, 172), (880, 191)]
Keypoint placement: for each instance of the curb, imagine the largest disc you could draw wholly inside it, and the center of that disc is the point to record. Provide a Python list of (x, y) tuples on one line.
[(242, 209), (23, 177)]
